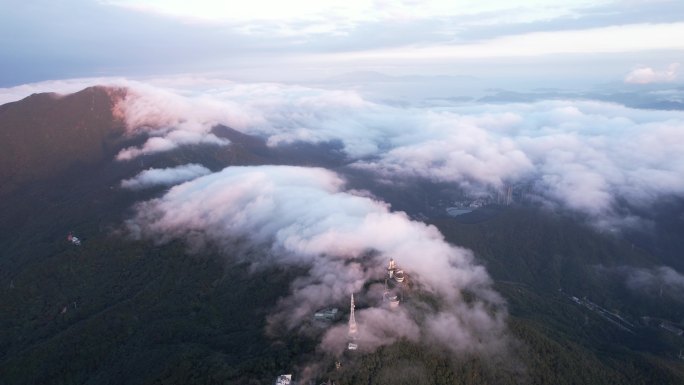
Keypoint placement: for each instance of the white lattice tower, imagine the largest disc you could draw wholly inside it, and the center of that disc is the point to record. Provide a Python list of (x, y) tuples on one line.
[(352, 320)]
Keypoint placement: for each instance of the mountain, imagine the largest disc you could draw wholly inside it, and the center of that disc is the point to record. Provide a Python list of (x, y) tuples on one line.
[(44, 134), (117, 310)]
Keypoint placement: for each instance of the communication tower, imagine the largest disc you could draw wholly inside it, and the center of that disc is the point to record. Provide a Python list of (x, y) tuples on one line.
[(353, 329)]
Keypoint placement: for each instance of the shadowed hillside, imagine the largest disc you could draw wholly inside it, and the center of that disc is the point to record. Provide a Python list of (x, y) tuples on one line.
[(44, 134)]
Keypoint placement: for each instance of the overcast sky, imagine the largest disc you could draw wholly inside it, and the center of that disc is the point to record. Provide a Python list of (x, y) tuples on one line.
[(553, 42)]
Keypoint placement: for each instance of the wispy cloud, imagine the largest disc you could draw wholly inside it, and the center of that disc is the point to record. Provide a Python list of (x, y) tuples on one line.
[(656, 280), (647, 75), (652, 282), (610, 39), (300, 15), (165, 177), (12, 94)]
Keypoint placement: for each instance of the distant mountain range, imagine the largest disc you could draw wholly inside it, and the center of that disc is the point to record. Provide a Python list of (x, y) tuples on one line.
[(372, 76)]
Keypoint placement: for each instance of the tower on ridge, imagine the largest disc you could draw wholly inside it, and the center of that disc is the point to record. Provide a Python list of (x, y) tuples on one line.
[(352, 320), (352, 327)]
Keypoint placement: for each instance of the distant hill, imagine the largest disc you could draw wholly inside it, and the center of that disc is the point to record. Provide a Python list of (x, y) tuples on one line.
[(46, 133)]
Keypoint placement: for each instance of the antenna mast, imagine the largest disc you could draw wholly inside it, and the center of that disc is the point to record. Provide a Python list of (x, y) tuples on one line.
[(352, 320)]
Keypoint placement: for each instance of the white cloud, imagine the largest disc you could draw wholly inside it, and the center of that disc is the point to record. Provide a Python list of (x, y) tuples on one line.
[(68, 86), (165, 176), (654, 281), (583, 155), (171, 140), (173, 120), (345, 241), (345, 14), (611, 39), (647, 75)]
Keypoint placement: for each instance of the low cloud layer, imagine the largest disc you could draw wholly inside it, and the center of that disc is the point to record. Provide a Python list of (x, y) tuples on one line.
[(165, 176), (656, 281), (171, 120), (304, 217), (647, 75), (581, 155)]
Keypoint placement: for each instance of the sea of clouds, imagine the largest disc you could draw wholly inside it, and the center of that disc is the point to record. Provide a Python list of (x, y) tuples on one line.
[(581, 155), (305, 217), (578, 154)]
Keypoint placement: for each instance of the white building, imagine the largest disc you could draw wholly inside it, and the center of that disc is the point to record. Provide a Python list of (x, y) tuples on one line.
[(284, 379)]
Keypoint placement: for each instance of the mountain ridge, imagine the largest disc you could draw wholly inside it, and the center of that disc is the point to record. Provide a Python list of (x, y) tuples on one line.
[(44, 134)]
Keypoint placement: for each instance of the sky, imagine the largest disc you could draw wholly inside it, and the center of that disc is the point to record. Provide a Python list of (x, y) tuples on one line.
[(512, 44)]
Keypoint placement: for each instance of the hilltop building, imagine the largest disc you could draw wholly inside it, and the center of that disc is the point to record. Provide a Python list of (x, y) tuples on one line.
[(327, 315), (394, 283), (73, 239), (284, 379), (395, 273)]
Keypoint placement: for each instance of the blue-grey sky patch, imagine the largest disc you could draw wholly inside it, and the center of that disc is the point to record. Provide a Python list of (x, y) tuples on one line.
[(42, 40)]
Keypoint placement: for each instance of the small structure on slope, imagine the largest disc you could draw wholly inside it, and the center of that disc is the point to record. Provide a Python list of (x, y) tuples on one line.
[(73, 239), (327, 315), (394, 284), (284, 379)]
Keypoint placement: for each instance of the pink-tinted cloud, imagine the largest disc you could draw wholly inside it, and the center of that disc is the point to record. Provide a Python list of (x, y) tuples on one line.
[(345, 240), (165, 177), (647, 75), (582, 155)]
